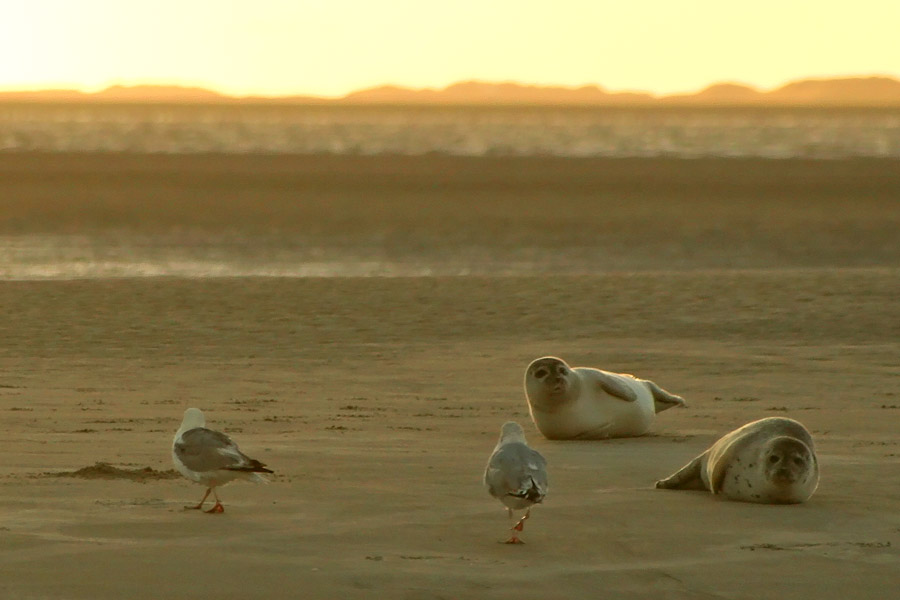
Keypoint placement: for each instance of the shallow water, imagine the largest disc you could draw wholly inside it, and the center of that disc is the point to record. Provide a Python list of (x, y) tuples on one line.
[(482, 131), (59, 256)]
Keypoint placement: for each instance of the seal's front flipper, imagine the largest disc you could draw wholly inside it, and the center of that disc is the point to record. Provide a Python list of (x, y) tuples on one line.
[(614, 387), (662, 399), (689, 477), (597, 433)]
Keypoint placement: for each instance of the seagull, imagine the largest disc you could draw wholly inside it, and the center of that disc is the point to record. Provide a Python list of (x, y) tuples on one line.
[(516, 475), (210, 458)]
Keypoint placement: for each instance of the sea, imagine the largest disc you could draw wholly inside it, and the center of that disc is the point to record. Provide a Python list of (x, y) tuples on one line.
[(266, 129), (777, 133)]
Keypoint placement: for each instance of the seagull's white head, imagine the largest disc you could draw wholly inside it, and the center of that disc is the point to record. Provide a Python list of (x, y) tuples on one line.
[(511, 432), (193, 418)]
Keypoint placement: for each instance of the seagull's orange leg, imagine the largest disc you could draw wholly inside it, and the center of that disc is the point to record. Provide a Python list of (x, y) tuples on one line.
[(521, 524), (517, 528), (217, 508), (199, 506)]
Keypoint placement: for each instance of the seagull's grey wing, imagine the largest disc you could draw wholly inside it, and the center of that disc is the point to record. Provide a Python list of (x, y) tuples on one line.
[(202, 450), (517, 470), (539, 474)]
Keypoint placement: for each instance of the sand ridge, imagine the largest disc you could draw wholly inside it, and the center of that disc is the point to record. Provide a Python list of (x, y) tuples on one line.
[(102, 470)]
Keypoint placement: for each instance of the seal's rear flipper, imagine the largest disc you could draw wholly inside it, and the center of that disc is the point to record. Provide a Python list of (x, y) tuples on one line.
[(689, 477), (662, 399)]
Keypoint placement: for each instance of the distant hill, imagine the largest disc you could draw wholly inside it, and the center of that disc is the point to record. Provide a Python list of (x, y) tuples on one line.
[(477, 92), (45, 96), (718, 94), (849, 91), (861, 91), (146, 94), (868, 90), (158, 93)]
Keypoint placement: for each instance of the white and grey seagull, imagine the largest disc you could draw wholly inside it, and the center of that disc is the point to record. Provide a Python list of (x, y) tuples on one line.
[(210, 458), (516, 475)]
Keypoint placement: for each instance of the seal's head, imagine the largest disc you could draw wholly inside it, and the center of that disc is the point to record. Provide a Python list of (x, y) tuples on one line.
[(549, 380), (787, 461)]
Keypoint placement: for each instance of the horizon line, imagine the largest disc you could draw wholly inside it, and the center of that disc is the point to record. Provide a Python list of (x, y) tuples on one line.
[(174, 83), (214, 93)]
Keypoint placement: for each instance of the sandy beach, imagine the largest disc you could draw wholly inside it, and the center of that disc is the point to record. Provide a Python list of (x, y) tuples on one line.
[(752, 288)]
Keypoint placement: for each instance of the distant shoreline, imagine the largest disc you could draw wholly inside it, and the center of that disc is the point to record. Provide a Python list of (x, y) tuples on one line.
[(262, 104), (850, 92)]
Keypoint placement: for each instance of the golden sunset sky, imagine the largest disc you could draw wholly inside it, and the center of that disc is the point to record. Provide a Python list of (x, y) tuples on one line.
[(331, 47)]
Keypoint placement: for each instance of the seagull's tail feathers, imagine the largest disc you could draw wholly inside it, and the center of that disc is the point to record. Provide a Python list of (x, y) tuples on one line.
[(531, 491), (252, 469)]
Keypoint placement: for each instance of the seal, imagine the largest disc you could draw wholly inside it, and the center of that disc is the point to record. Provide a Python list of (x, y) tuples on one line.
[(770, 461), (516, 475), (590, 404)]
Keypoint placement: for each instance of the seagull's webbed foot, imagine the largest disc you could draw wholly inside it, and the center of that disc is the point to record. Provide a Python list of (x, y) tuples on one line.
[(217, 508)]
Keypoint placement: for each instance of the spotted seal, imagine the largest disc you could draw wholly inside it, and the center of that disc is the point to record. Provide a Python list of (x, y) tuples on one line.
[(770, 461)]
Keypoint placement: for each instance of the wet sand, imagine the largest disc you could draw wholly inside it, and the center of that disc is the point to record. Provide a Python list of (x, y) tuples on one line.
[(378, 400), (550, 214)]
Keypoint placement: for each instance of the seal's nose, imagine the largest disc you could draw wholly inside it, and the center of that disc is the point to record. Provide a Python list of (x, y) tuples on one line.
[(784, 475)]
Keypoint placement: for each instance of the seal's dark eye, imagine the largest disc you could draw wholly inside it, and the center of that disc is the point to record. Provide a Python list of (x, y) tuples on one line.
[(540, 373), (773, 459), (798, 461)]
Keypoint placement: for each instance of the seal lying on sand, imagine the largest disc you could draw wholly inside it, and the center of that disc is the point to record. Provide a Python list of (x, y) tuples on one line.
[(590, 404), (771, 461)]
